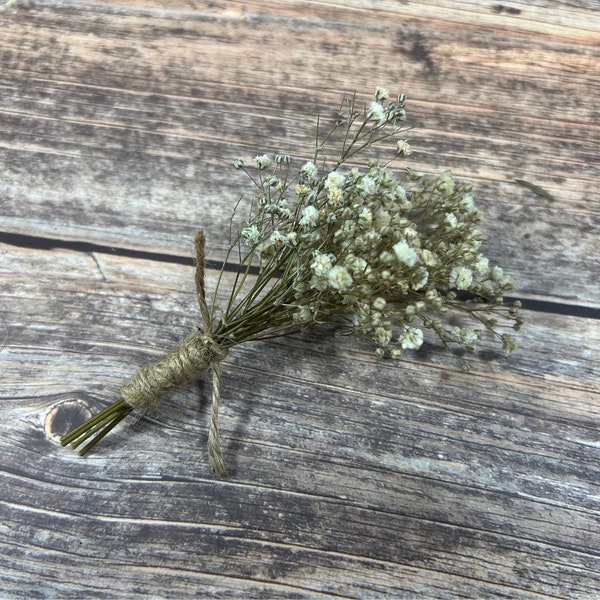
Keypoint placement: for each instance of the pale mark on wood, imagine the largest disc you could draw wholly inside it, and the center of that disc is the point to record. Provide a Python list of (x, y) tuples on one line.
[(63, 417)]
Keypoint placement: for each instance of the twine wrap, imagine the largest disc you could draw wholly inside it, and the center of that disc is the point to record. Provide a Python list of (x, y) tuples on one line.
[(196, 353)]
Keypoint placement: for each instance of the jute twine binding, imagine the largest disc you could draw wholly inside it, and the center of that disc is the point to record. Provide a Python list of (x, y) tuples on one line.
[(196, 353)]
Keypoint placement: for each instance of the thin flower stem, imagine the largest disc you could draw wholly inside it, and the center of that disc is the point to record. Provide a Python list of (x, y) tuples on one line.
[(112, 415), (101, 416), (93, 430), (109, 426), (245, 307)]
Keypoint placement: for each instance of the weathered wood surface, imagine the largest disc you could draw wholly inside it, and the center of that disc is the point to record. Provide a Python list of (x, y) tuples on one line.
[(349, 476)]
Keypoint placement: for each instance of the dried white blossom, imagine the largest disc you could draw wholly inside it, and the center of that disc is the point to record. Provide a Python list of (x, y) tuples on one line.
[(509, 343), (467, 203), (412, 338), (381, 93), (445, 183), (310, 216), (419, 279), (406, 254), (497, 274), (379, 303), (309, 172), (335, 196), (263, 162), (461, 278), (481, 264), (382, 336), (335, 180), (376, 112), (367, 185), (278, 238), (339, 278), (322, 264), (465, 336), (251, 235), (428, 258), (365, 217), (451, 221), (403, 148)]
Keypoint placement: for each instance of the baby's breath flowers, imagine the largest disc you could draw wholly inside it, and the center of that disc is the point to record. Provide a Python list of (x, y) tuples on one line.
[(385, 257)]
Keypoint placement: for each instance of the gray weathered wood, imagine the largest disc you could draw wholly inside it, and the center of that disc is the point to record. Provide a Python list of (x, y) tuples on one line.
[(444, 469), (133, 144), (349, 476)]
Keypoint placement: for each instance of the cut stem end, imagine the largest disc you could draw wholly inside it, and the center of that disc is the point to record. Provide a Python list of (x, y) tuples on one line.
[(95, 428)]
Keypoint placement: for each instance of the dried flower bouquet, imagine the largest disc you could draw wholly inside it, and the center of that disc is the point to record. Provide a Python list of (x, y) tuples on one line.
[(383, 258)]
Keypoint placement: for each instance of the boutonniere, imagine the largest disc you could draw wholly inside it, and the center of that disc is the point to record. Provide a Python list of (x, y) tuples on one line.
[(383, 255)]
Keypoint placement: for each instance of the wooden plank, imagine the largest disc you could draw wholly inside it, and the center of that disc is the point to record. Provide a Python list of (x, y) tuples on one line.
[(485, 483), (349, 476), (133, 147), (558, 18)]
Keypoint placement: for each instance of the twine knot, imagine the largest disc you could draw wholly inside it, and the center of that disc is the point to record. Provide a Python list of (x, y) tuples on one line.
[(197, 352)]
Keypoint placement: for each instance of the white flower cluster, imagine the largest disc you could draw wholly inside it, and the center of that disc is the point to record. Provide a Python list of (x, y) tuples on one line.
[(390, 256)]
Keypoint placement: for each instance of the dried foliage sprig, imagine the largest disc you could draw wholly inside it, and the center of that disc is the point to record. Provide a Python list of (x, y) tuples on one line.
[(383, 258)]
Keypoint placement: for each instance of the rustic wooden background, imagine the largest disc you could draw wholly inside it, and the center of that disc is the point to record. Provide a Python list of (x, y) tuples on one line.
[(349, 476)]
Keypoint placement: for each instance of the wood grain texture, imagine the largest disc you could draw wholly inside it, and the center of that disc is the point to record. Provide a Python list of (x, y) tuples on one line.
[(349, 476)]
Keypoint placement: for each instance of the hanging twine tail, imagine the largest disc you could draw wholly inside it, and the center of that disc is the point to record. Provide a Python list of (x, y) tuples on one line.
[(215, 456), (196, 353)]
